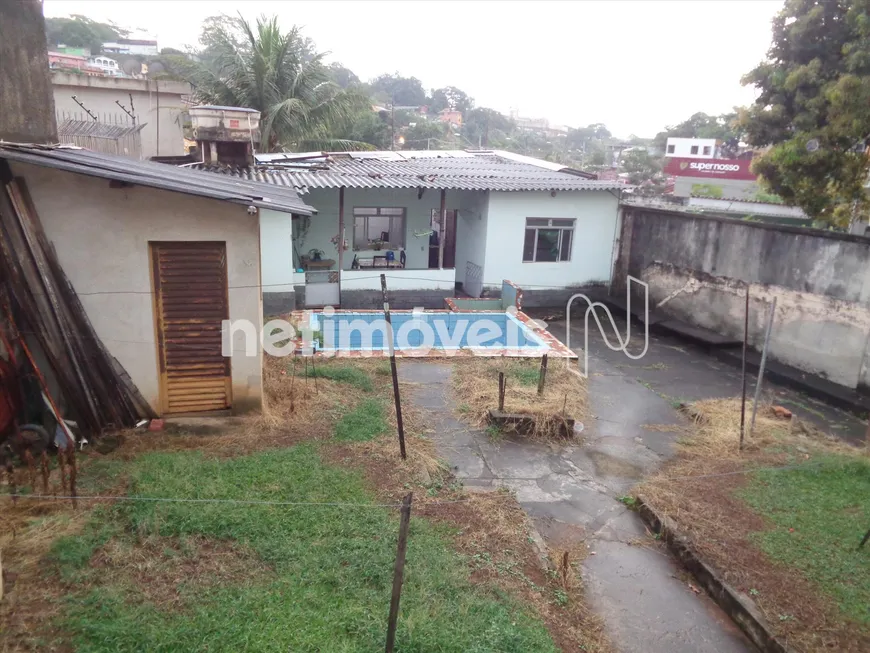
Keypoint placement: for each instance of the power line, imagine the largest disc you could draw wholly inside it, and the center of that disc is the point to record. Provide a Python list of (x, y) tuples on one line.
[(239, 502), (375, 276)]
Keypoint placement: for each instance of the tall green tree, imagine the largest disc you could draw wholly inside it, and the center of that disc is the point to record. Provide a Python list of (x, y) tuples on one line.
[(451, 98), (813, 108), (487, 127), (398, 90), (640, 166), (79, 31), (280, 75)]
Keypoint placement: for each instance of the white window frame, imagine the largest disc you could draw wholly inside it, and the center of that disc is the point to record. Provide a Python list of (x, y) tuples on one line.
[(399, 229), (560, 224)]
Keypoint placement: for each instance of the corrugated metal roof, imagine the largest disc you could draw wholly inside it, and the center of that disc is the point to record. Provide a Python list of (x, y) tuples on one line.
[(435, 169), (158, 175)]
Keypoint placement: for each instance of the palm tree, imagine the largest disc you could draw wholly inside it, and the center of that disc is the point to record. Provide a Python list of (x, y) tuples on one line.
[(282, 77)]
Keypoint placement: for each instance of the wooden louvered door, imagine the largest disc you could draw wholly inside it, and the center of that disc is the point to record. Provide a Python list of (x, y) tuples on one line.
[(190, 284)]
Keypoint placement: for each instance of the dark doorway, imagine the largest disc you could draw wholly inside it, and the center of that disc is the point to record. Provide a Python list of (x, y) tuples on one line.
[(449, 239)]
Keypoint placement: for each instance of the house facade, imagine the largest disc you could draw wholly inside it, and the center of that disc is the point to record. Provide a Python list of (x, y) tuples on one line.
[(436, 224), (159, 257), (695, 148)]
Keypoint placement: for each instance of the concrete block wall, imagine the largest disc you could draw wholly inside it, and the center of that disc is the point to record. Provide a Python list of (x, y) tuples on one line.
[(698, 269)]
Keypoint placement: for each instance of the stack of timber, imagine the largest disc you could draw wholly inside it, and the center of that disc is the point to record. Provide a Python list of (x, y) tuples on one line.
[(42, 302)]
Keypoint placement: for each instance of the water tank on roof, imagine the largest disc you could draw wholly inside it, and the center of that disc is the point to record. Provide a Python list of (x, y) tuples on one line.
[(225, 124)]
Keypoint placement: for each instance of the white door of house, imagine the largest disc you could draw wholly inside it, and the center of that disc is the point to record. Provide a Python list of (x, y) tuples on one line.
[(321, 288)]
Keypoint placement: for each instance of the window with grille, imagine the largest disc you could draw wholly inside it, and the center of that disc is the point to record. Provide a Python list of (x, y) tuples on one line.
[(548, 239), (378, 227)]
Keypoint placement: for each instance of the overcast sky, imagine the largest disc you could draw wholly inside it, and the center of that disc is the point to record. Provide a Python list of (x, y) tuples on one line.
[(635, 66)]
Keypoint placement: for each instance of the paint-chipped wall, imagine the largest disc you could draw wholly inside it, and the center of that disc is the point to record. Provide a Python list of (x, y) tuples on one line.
[(697, 268)]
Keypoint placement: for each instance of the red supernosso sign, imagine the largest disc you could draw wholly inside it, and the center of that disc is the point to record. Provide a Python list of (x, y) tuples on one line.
[(710, 168)]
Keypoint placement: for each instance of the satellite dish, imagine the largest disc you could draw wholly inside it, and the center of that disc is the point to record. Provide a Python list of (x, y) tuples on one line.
[(812, 145)]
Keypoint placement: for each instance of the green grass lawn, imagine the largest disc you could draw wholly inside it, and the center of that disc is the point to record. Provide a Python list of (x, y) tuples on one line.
[(817, 516), (364, 422), (342, 373), (328, 570)]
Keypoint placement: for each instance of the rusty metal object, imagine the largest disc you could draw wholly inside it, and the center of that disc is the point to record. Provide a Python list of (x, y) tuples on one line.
[(191, 293)]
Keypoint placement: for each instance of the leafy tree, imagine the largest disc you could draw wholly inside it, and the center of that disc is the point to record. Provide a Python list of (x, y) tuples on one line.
[(428, 134), (813, 108), (598, 157), (79, 31), (583, 137), (640, 166), (486, 126), (275, 73), (398, 90), (600, 131), (451, 98), (342, 76), (372, 128), (174, 51)]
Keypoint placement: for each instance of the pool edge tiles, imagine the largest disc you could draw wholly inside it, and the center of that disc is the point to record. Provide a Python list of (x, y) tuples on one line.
[(544, 341)]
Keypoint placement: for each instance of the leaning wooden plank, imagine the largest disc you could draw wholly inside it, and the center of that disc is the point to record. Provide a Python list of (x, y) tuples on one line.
[(113, 404), (111, 388), (26, 220), (22, 279)]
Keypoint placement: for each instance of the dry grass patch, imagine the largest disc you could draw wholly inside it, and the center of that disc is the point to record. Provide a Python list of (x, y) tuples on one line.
[(169, 571), (764, 530), (475, 384), (31, 599)]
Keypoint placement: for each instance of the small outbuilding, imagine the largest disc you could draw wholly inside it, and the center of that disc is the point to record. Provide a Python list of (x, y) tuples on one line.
[(159, 257)]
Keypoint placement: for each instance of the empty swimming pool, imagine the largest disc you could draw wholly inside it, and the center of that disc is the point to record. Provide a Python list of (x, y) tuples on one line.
[(442, 330)]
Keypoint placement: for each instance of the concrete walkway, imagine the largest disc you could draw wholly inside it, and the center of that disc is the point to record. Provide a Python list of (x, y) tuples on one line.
[(680, 371), (571, 492)]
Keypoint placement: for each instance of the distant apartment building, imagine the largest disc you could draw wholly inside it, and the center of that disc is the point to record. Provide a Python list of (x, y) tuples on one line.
[(109, 66), (538, 125), (71, 62), (132, 46), (692, 148)]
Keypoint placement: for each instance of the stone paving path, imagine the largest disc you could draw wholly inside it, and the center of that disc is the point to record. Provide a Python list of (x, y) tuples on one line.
[(572, 491)]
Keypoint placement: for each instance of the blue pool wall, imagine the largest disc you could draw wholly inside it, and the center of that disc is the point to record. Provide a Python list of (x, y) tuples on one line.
[(448, 331)]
